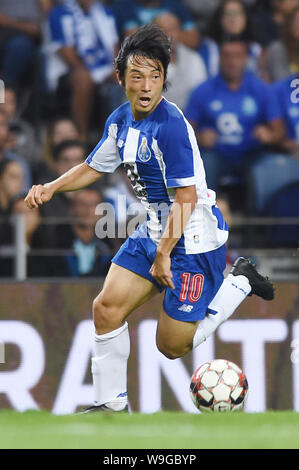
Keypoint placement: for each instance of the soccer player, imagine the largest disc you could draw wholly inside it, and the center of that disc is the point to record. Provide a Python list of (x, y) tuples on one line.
[(180, 248)]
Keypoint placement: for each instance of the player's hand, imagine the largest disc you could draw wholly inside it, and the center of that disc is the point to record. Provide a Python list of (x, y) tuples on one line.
[(161, 271), (38, 195)]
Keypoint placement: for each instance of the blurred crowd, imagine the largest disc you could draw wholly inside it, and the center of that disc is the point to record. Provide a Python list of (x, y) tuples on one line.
[(234, 72)]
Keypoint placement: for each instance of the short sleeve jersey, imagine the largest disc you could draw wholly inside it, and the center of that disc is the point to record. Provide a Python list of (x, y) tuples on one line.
[(233, 114), (160, 153), (287, 92)]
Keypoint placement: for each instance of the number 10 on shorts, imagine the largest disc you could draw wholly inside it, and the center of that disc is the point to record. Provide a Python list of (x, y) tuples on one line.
[(191, 287)]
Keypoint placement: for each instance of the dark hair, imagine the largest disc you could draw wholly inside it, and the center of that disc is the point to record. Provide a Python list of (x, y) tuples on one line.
[(233, 38), (58, 119), (64, 145), (148, 41), (216, 31)]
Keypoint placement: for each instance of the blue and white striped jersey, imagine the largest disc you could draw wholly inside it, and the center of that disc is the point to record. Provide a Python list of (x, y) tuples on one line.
[(160, 153)]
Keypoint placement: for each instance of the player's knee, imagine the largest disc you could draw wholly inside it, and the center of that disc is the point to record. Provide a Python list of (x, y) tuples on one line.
[(105, 316), (170, 353)]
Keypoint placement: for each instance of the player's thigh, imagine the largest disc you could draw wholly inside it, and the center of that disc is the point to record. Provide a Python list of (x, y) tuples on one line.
[(174, 337), (123, 291)]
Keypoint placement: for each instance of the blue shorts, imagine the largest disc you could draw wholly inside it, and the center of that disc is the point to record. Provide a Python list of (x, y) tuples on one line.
[(197, 277)]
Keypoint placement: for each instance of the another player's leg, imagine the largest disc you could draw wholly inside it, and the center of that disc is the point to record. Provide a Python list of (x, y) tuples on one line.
[(123, 292)]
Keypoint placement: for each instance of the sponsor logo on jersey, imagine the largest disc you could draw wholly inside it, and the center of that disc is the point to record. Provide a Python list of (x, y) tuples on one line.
[(144, 152), (186, 308)]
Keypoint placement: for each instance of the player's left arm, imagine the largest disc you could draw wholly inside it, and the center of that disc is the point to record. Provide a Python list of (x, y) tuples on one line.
[(181, 210)]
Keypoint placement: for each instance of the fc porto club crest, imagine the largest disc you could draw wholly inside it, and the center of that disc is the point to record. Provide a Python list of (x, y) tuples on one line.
[(144, 152)]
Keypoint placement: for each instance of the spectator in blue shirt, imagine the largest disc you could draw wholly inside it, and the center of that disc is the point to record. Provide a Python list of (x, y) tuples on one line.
[(274, 176), (287, 92), (232, 18), (131, 14), (80, 40), (20, 31), (235, 115)]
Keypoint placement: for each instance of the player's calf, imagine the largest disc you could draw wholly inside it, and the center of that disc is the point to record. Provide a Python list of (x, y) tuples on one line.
[(174, 338)]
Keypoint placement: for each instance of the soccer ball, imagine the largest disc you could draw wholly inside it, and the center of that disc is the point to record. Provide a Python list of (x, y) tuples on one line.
[(219, 385)]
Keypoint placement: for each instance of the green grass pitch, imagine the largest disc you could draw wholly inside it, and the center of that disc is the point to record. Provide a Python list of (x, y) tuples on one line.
[(165, 430)]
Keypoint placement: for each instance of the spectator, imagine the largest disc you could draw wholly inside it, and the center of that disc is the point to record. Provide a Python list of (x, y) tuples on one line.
[(183, 58), (21, 138), (131, 14), (11, 183), (287, 92), (275, 179), (5, 154), (282, 57), (203, 12), (66, 155), (38, 264), (235, 116), (59, 130), (89, 255), (80, 44), (231, 19), (268, 18), (19, 36)]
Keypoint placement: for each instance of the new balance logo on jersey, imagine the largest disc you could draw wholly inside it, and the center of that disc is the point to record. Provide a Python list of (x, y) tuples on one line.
[(186, 308)]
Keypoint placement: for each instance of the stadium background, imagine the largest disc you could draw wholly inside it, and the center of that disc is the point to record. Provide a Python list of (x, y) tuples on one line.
[(48, 331), (45, 322)]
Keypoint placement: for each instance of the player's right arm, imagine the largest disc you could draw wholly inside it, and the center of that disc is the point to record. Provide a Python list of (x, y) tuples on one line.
[(76, 178)]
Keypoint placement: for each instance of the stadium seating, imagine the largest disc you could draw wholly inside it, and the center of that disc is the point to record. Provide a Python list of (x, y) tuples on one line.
[(270, 175)]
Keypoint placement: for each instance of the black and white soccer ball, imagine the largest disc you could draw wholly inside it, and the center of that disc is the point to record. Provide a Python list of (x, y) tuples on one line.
[(219, 385)]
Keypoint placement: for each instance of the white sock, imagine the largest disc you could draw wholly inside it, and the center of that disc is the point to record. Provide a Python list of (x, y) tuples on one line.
[(109, 368), (230, 295)]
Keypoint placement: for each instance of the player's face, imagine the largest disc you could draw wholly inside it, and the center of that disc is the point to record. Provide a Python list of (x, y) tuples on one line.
[(144, 79)]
